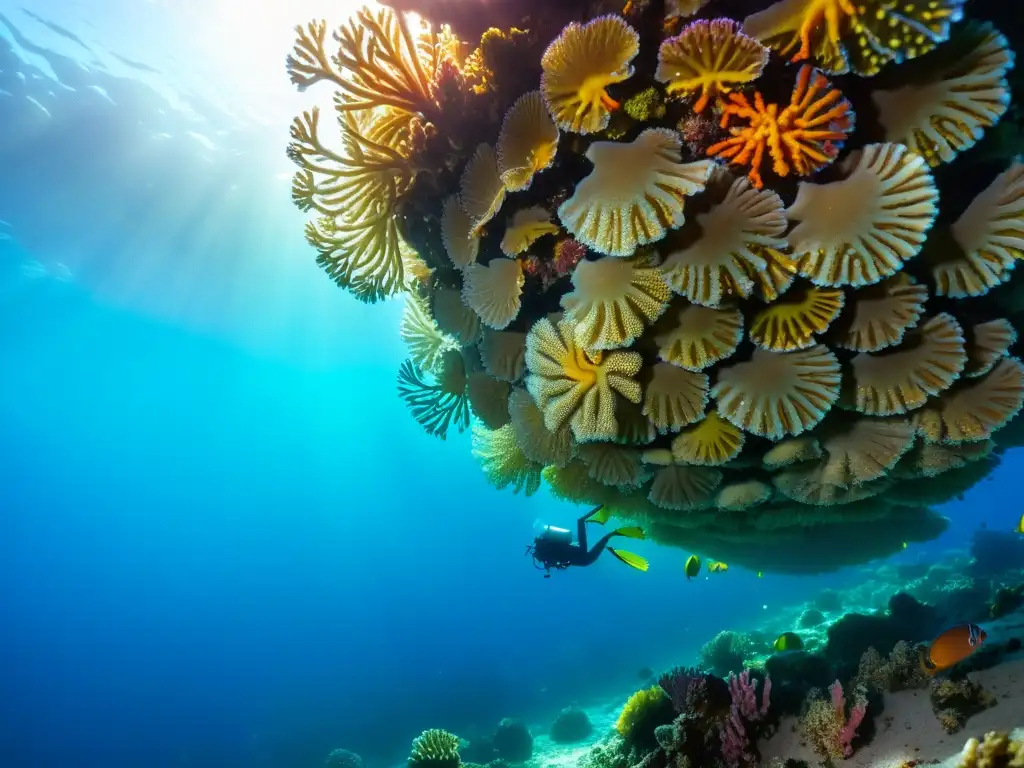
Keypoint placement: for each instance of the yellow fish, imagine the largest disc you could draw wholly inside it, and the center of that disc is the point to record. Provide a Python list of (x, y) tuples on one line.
[(692, 567), (788, 641), (760, 574), (1020, 525), (904, 545), (717, 567)]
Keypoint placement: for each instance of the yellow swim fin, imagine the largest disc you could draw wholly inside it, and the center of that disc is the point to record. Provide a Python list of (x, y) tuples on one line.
[(600, 516), (632, 532), (633, 561)]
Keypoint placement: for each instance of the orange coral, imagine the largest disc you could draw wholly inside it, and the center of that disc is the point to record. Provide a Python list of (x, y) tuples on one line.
[(802, 138)]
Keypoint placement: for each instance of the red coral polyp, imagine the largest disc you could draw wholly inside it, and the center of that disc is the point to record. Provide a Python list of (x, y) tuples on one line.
[(801, 139)]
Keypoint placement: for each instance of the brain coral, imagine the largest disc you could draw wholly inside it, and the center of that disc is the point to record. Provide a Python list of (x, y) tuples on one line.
[(749, 282)]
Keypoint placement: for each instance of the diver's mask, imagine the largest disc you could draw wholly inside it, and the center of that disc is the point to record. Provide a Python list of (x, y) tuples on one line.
[(548, 549)]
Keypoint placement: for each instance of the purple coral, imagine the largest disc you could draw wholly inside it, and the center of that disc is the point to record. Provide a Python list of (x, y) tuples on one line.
[(742, 711), (682, 684)]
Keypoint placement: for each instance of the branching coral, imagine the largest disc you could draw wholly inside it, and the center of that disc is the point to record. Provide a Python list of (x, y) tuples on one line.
[(503, 461), (776, 394), (842, 35), (889, 202), (948, 113), (441, 405), (801, 138), (614, 300), (709, 58), (435, 748), (580, 65), (734, 252), (571, 385), (697, 337), (635, 193)]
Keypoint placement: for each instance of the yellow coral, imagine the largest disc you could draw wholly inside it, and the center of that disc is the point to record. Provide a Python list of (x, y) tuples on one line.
[(525, 228), (639, 709), (527, 142), (571, 385), (540, 444), (711, 441), (698, 337), (793, 321), (482, 190), (503, 461), (675, 397), (612, 464), (494, 291), (427, 343), (441, 405)]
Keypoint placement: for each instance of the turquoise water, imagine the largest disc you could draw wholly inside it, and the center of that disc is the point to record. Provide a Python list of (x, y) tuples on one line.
[(224, 542)]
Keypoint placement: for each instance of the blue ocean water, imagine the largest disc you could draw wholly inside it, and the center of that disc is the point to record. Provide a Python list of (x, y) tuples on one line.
[(223, 540)]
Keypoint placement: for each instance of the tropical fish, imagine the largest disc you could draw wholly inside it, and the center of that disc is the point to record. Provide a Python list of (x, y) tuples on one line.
[(760, 574), (1020, 525), (692, 567), (717, 567), (904, 545), (788, 641), (952, 646)]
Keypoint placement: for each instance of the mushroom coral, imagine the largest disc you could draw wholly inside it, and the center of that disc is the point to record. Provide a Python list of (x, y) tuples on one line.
[(728, 310)]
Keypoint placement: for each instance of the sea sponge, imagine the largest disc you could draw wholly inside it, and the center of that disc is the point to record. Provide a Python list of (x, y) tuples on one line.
[(441, 405), (710, 58), (426, 342), (793, 321), (540, 444), (879, 315), (731, 256), (802, 138), (481, 188), (864, 449), (527, 143), (697, 337), (634, 194), (889, 202), (861, 37), (949, 112), (503, 461), (901, 378), (525, 228), (675, 397), (775, 394), (579, 66), (711, 441), (461, 245), (435, 748), (503, 354), (575, 386), (494, 291), (614, 300), (976, 408)]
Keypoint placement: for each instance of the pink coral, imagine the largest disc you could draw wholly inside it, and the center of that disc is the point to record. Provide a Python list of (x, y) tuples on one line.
[(742, 711), (849, 730)]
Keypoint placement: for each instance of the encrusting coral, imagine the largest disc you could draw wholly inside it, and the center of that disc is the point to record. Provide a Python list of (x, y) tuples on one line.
[(747, 282)]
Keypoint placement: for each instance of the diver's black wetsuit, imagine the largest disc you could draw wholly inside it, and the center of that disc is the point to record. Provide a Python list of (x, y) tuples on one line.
[(552, 553)]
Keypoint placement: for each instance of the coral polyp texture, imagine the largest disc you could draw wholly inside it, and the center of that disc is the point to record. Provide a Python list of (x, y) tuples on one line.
[(748, 282)]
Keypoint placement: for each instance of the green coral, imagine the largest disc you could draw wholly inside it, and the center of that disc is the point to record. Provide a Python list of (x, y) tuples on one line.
[(640, 709), (435, 748), (646, 105)]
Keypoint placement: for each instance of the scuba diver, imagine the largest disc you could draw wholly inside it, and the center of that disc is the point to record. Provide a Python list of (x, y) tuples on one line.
[(553, 548)]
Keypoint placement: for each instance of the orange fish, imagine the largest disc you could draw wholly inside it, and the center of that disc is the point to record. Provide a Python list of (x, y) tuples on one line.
[(952, 646)]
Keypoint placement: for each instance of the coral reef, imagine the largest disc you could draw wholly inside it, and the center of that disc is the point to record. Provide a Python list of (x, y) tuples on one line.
[(996, 750), (954, 701), (343, 758), (513, 741), (618, 228), (644, 711), (572, 724), (435, 748), (830, 726)]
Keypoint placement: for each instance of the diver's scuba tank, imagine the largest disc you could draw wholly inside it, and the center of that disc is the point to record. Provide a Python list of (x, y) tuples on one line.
[(556, 535)]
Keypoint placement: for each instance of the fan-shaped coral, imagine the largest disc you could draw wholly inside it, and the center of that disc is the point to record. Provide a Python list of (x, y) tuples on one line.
[(527, 142), (901, 378), (712, 441), (540, 444), (526, 227), (775, 394), (503, 461), (889, 202), (793, 451), (574, 386), (503, 354), (977, 407), (793, 321), (613, 301), (482, 190), (807, 485), (932, 459), (745, 494), (698, 337), (675, 397), (841, 35), (635, 193), (426, 342), (988, 239), (680, 487), (493, 291), (731, 255), (454, 317), (612, 464), (440, 405), (461, 245), (802, 138), (950, 111), (864, 449), (488, 399), (710, 58), (987, 343), (880, 314), (579, 66)]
